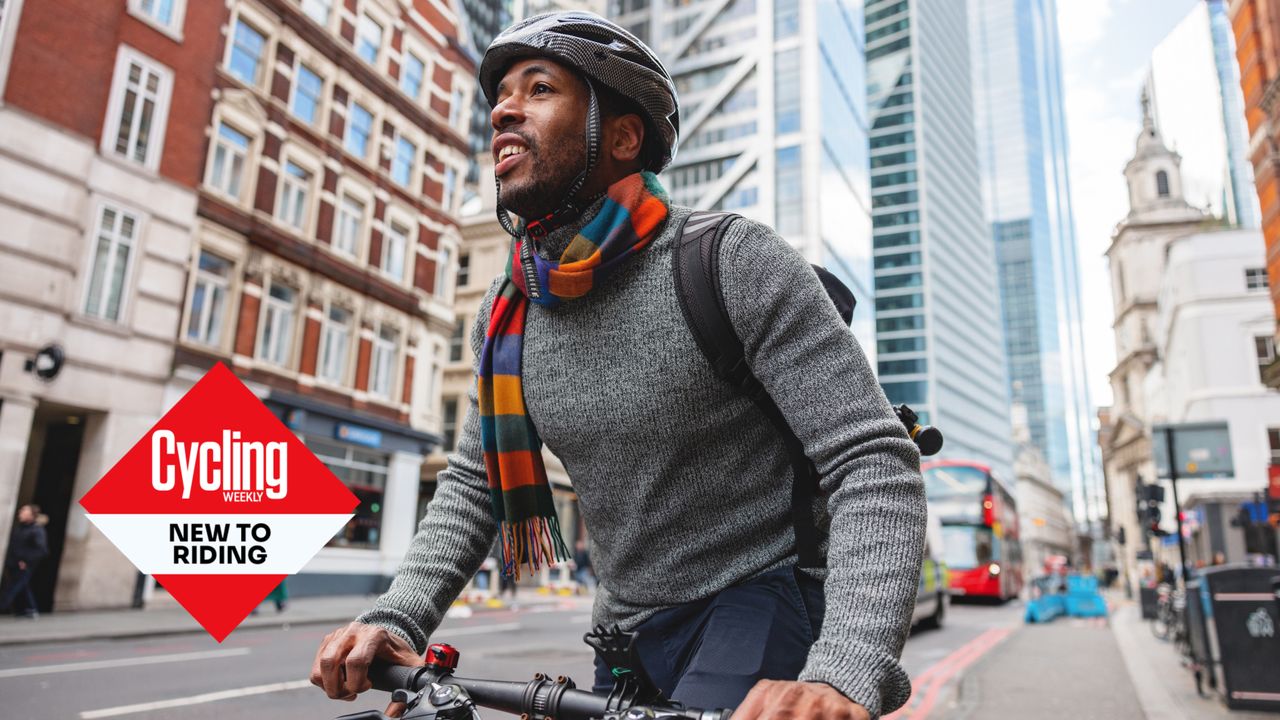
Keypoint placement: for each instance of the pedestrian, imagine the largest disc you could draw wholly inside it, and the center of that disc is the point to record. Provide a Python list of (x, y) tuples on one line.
[(280, 596), (582, 572), (28, 545), (684, 483), (1219, 558)]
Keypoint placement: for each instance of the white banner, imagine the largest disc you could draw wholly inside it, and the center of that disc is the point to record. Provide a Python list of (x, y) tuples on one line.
[(219, 544)]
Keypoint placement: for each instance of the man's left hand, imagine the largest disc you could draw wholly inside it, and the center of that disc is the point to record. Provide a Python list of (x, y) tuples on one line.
[(775, 699)]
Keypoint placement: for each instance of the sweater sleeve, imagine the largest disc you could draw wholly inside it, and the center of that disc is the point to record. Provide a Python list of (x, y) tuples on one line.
[(813, 368), (455, 534)]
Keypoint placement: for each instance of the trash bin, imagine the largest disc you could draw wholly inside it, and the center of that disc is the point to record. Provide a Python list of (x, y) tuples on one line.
[(1243, 631)]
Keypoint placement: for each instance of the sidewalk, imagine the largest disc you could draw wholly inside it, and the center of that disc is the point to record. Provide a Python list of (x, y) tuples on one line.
[(1076, 669), (170, 618)]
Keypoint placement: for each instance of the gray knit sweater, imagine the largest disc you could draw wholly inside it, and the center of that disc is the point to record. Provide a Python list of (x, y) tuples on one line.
[(683, 484)]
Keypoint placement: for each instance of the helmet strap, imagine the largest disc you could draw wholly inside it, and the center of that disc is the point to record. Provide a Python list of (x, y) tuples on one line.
[(571, 208)]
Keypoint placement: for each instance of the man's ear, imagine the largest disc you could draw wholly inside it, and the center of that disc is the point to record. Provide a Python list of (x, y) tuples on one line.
[(627, 137)]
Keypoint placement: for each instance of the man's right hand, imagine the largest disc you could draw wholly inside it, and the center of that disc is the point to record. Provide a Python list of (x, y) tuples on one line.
[(341, 666)]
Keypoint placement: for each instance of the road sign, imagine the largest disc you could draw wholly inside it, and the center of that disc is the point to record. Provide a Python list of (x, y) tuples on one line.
[(220, 502), (1201, 450)]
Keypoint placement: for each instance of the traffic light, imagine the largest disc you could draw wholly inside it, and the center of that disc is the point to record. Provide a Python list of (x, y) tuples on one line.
[(1152, 520)]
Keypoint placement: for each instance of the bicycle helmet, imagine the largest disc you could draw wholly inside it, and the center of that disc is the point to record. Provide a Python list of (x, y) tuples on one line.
[(605, 54)]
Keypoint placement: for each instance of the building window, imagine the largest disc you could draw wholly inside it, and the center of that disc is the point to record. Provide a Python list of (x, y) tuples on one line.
[(209, 299), (1255, 278), (464, 271), (911, 392), (368, 39), (334, 341), (411, 75), (450, 186), (1265, 347), (786, 18), (786, 89), (318, 10), (393, 250), (1162, 183), (359, 126), (164, 14), (277, 324), (402, 163), (457, 339), (307, 90), (139, 108), (113, 250), (350, 226), (1273, 440), (382, 372), (449, 424), (294, 187), (364, 472), (789, 196), (230, 149), (247, 45), (444, 260), (455, 107)]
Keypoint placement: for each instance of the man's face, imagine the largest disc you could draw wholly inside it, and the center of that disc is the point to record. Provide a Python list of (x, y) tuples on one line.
[(25, 515), (538, 143)]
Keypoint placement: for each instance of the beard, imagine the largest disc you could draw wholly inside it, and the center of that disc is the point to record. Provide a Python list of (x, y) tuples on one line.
[(542, 185)]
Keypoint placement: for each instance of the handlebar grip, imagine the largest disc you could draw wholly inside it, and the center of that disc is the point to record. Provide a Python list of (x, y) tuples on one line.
[(389, 678)]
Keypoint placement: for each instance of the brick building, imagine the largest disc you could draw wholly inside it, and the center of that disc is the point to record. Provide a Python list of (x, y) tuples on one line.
[(298, 183), (1257, 31)]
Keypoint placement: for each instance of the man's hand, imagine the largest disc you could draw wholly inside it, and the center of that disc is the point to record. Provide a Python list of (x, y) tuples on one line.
[(342, 663), (775, 699)]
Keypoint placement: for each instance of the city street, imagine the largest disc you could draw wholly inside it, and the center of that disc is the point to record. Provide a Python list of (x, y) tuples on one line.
[(261, 672)]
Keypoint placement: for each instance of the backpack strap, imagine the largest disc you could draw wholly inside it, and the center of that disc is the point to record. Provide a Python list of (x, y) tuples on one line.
[(696, 265)]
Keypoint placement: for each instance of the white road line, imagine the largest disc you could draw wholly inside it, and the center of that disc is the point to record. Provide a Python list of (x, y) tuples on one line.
[(122, 662), (444, 633), (194, 699)]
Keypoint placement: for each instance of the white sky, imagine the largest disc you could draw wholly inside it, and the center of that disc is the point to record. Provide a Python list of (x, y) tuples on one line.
[(1106, 48)]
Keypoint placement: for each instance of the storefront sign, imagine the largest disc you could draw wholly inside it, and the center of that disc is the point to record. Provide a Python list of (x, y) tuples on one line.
[(220, 502), (1201, 450), (358, 435)]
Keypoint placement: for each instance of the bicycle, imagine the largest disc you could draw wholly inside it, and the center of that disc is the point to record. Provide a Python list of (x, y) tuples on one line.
[(1167, 600), (433, 692)]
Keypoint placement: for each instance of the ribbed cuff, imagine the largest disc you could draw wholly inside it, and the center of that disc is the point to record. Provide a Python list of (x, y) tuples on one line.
[(399, 623), (864, 675)]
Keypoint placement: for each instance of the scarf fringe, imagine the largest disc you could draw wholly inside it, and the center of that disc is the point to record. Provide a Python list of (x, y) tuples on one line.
[(534, 542)]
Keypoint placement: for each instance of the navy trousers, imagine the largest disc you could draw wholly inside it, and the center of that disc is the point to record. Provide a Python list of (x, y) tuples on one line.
[(710, 653)]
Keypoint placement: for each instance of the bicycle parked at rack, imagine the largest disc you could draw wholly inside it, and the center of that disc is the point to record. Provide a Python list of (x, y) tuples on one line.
[(1170, 624)]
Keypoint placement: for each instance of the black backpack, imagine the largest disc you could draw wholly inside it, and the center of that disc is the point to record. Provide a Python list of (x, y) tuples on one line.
[(696, 265)]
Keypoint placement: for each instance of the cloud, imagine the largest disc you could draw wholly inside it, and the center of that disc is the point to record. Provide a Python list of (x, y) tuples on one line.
[(1082, 23)]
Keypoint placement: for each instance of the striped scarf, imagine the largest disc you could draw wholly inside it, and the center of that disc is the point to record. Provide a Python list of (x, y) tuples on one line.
[(634, 210)]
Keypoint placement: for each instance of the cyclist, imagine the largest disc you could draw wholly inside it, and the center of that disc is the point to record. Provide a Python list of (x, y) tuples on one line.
[(684, 485)]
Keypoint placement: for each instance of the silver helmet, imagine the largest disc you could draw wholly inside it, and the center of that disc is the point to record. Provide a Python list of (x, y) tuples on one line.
[(607, 55)]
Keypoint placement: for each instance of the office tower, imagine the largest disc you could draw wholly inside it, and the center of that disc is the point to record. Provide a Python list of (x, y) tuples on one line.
[(773, 121), (483, 20), (938, 321), (1022, 145)]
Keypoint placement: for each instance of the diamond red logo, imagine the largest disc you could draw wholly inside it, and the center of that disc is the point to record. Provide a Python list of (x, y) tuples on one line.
[(220, 502)]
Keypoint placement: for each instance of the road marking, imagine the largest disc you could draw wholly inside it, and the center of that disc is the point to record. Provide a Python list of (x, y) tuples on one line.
[(476, 630), (927, 686), (122, 662), (194, 699)]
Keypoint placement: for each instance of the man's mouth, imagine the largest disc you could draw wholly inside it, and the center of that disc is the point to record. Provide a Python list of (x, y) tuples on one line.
[(508, 156)]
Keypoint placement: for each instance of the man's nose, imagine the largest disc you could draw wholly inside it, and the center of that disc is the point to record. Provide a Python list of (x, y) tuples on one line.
[(508, 111)]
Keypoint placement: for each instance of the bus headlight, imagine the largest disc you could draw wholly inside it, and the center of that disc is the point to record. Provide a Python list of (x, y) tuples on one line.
[(993, 568)]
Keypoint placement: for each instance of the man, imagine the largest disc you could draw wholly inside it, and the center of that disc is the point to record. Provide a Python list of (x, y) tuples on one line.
[(683, 483), (27, 547)]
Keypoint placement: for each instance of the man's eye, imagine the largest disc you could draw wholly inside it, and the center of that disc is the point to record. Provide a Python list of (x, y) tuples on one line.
[(541, 88)]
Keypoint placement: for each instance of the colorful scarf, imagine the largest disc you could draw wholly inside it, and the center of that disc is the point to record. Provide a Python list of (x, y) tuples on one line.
[(634, 210)]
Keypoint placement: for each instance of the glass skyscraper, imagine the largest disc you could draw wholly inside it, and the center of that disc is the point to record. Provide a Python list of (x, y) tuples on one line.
[(1022, 142), (773, 121), (937, 310)]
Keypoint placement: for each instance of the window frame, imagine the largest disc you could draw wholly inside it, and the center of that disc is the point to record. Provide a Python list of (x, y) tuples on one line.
[(264, 61), (458, 341), (378, 349), (380, 50), (1251, 275), (173, 28), (400, 140), (327, 325), (360, 241), (199, 276), (352, 103), (214, 144), (449, 429), (298, 67), (328, 21), (125, 56), (407, 53), (261, 352), (397, 219), (444, 271), (284, 179), (91, 246)]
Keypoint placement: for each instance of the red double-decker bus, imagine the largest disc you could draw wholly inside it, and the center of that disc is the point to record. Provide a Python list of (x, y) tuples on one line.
[(979, 528)]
